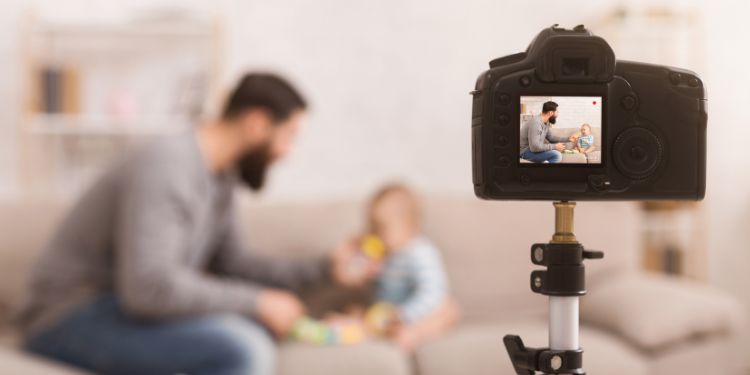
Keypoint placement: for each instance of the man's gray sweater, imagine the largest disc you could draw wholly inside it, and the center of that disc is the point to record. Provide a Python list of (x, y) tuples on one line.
[(533, 134), (157, 231)]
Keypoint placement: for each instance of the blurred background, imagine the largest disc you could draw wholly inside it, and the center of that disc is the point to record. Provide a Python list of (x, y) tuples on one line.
[(388, 83)]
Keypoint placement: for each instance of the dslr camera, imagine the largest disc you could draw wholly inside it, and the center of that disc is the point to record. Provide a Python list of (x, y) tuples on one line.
[(566, 121)]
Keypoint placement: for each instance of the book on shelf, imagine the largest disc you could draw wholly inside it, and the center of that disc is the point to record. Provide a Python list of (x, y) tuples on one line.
[(60, 90)]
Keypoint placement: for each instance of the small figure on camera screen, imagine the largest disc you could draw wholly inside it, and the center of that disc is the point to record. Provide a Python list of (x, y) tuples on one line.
[(561, 129)]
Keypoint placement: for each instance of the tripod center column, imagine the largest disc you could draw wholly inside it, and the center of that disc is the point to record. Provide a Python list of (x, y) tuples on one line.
[(564, 222), (563, 311)]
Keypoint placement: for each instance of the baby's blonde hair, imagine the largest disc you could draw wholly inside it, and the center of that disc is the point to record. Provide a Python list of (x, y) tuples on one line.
[(398, 189), (586, 125)]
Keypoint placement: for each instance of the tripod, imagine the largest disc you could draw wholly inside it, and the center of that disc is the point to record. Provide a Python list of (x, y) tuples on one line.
[(564, 282)]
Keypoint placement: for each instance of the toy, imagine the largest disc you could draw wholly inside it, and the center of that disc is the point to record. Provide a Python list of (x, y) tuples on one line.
[(379, 317), (371, 248), (316, 332)]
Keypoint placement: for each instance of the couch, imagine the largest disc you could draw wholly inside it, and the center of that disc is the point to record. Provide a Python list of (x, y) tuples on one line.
[(568, 156), (632, 323)]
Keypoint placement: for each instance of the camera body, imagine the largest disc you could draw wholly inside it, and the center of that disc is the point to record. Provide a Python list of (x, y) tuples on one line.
[(627, 130)]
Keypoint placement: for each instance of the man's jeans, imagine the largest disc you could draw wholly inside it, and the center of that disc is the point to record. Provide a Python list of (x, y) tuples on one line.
[(99, 337), (551, 156)]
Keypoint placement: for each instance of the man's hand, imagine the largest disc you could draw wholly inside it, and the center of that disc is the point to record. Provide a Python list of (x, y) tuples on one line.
[(279, 310), (341, 261), (560, 146)]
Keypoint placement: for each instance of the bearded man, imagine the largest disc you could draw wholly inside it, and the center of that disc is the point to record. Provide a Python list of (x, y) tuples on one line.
[(534, 133), (148, 274)]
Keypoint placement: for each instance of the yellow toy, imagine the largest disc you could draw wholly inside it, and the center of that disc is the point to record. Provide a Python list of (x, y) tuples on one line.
[(373, 247), (379, 317)]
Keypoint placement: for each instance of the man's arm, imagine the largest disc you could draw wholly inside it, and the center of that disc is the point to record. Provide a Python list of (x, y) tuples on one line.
[(234, 258), (555, 139), (536, 139), (152, 231)]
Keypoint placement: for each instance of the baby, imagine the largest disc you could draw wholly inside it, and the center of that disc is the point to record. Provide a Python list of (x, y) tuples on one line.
[(412, 278), (585, 141), (412, 304)]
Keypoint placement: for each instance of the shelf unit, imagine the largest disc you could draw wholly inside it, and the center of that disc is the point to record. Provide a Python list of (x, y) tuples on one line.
[(673, 234), (94, 89)]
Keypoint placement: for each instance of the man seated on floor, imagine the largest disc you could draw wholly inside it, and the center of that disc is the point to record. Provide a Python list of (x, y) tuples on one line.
[(535, 131), (148, 273)]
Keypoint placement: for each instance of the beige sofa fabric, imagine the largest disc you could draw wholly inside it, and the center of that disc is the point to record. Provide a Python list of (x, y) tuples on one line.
[(653, 311), (479, 347), (592, 157), (485, 247), (15, 362), (373, 358)]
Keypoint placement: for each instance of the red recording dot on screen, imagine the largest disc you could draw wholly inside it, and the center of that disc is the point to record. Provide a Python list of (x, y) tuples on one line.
[(594, 102)]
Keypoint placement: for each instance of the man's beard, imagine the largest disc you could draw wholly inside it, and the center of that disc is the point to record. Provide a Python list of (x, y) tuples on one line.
[(252, 166), (553, 119)]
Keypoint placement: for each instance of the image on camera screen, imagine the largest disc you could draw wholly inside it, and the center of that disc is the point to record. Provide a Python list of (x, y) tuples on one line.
[(561, 130)]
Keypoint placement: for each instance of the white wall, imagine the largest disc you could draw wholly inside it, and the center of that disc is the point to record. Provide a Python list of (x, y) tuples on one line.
[(9, 87), (388, 80), (574, 111), (389, 83), (728, 186)]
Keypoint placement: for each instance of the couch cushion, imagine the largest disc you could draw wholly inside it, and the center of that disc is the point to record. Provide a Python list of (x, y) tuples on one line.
[(27, 226), (577, 158), (13, 361), (479, 350), (373, 358), (484, 245), (660, 310)]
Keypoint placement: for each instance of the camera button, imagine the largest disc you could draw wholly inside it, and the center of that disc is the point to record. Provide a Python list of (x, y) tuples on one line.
[(504, 99), (503, 141), (525, 81), (503, 161), (675, 78), (637, 153), (628, 102), (599, 182), (503, 119)]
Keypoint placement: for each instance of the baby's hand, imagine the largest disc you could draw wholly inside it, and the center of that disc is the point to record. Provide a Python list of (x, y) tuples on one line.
[(349, 268), (405, 338)]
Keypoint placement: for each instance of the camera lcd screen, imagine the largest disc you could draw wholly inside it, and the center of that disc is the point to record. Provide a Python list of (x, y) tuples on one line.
[(561, 130)]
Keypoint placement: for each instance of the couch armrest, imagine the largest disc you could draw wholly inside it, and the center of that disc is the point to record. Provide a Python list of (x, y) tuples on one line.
[(653, 311)]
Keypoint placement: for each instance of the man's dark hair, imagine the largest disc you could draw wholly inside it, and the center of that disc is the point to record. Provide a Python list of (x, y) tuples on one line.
[(264, 91), (549, 106)]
